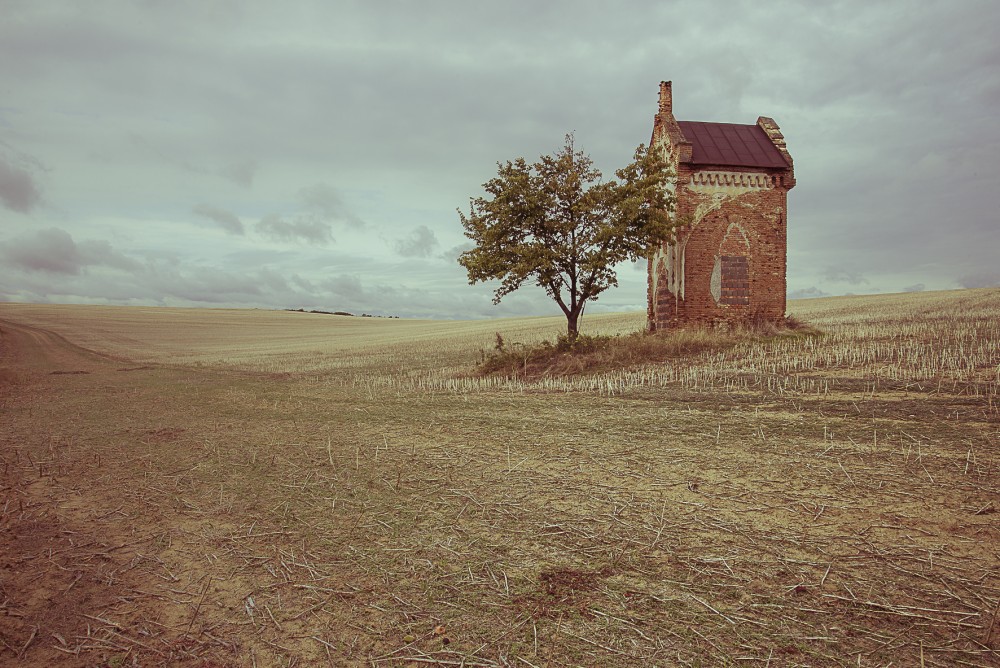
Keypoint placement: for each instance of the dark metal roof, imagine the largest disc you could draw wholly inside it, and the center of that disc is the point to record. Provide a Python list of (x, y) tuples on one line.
[(731, 144)]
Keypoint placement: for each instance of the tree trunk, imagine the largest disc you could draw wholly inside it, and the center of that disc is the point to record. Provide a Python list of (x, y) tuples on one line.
[(572, 325)]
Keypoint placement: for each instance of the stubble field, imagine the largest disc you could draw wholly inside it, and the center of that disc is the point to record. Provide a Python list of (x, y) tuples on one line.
[(256, 488)]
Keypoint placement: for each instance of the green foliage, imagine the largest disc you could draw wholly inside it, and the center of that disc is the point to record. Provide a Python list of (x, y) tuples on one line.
[(558, 223)]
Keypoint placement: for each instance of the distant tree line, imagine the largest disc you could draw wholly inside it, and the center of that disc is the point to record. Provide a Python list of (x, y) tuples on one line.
[(363, 315)]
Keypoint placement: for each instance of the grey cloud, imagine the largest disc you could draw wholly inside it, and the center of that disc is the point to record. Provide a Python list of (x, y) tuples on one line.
[(451, 255), (164, 284), (272, 279), (167, 282), (894, 154), (51, 250), (844, 275), (100, 253), (303, 283), (225, 219), (351, 293), (329, 85), (18, 190), (325, 201), (54, 251), (209, 284), (182, 156), (419, 243), (983, 279), (240, 172), (916, 287), (167, 152), (298, 229), (348, 287), (807, 293)]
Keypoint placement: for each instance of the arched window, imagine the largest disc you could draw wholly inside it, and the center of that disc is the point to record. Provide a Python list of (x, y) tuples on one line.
[(730, 282), (735, 286)]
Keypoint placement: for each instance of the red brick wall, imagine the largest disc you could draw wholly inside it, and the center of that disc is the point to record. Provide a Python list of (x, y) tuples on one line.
[(759, 217), (760, 213)]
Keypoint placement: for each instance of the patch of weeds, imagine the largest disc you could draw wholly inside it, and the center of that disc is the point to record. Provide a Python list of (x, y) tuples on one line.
[(563, 591), (116, 661), (587, 354)]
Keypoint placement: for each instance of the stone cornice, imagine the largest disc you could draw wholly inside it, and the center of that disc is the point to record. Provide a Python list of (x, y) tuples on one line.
[(700, 181)]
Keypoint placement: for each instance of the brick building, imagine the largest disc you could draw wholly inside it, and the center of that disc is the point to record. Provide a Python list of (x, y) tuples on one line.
[(727, 262)]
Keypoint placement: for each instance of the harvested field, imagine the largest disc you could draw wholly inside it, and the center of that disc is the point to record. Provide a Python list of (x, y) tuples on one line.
[(254, 488)]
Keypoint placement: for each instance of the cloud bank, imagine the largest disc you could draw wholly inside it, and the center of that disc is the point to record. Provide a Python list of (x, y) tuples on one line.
[(251, 155)]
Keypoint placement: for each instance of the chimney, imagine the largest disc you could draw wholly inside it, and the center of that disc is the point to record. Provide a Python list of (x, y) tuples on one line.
[(666, 98)]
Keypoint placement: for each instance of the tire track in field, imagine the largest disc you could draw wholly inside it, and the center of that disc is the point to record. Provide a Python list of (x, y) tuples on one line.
[(34, 350), (80, 575)]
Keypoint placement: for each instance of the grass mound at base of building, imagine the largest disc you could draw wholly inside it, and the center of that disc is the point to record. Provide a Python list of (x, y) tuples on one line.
[(593, 354)]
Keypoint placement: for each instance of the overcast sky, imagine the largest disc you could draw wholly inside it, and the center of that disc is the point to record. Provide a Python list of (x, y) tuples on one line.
[(312, 154)]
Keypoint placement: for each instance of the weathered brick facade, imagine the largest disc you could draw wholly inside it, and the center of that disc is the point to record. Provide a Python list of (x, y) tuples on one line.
[(727, 263)]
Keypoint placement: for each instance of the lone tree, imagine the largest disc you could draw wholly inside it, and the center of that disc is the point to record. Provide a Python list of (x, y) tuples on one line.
[(558, 223)]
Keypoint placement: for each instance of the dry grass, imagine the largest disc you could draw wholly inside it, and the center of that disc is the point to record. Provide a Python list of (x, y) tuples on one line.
[(255, 488), (592, 354)]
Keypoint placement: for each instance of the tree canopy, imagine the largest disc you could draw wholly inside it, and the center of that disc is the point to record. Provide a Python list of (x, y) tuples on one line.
[(558, 223)]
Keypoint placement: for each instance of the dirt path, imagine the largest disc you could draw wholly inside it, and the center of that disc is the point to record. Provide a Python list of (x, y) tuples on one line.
[(34, 351), (85, 564), (143, 520), (46, 574)]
